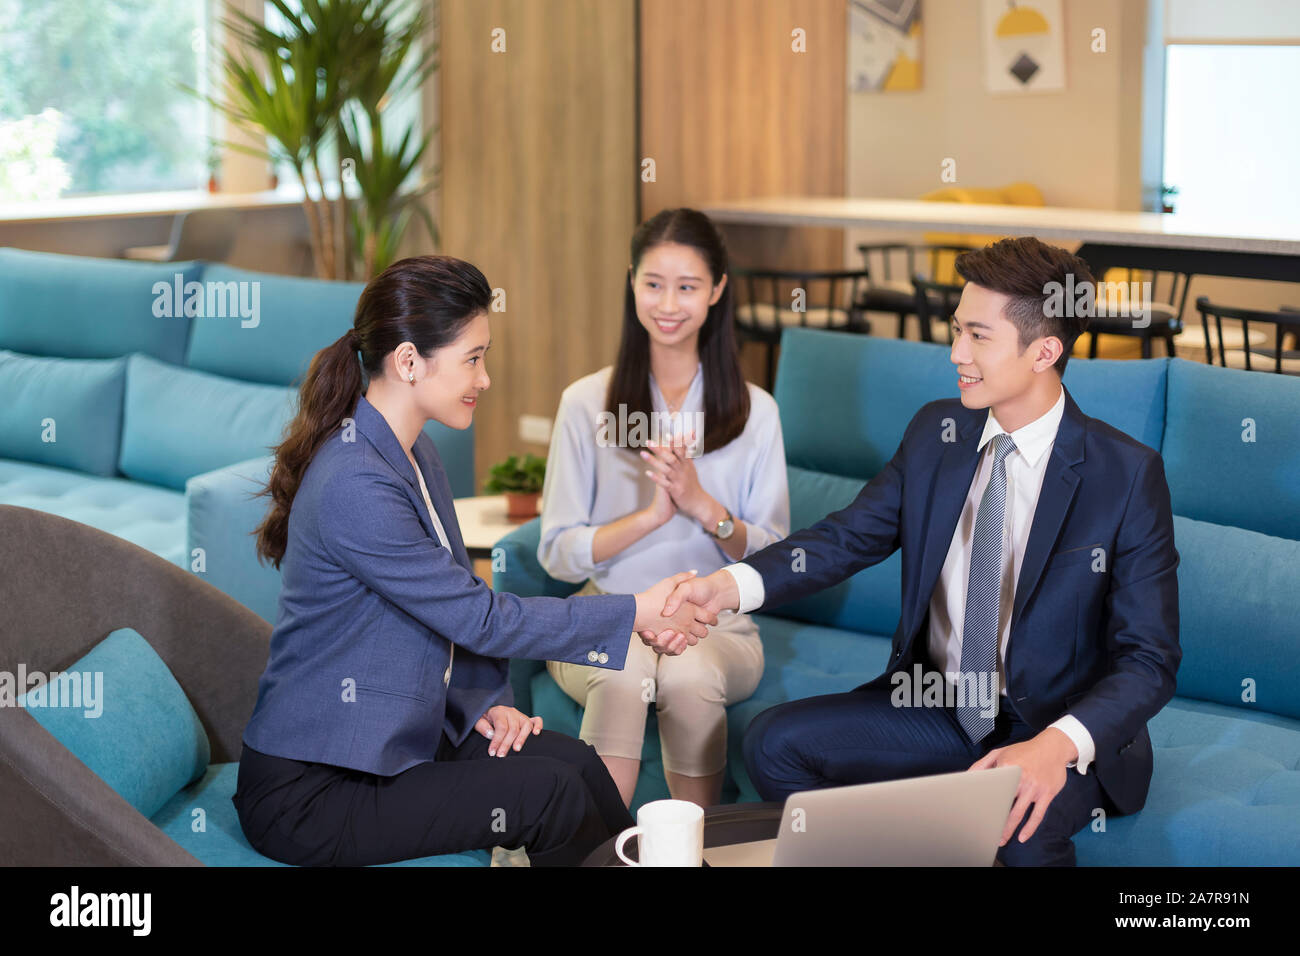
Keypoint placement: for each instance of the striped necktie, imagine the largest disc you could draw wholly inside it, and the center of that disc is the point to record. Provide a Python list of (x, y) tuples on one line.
[(980, 631)]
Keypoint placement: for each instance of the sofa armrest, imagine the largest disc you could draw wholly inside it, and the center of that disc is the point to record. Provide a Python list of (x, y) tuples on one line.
[(223, 511), (515, 569)]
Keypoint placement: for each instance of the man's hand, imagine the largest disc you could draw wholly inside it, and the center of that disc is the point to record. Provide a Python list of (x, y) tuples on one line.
[(503, 726), (669, 633), (1042, 761), (713, 594)]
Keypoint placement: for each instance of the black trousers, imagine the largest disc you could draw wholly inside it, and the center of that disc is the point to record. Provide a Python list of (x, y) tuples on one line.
[(553, 796)]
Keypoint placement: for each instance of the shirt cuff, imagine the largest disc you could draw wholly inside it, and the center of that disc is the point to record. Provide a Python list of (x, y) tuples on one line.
[(749, 584), (1072, 728)]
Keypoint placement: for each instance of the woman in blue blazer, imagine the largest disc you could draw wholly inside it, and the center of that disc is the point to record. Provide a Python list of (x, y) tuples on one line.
[(387, 690)]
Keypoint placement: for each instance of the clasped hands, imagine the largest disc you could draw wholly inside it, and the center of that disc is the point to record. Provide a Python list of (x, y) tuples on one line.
[(676, 612)]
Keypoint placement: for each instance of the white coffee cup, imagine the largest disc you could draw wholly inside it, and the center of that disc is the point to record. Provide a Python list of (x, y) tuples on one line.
[(669, 832)]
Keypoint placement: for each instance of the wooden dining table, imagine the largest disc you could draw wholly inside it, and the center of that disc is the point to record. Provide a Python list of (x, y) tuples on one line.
[(1250, 245)]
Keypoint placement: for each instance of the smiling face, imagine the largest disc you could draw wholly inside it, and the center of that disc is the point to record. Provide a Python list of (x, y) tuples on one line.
[(673, 289), (994, 370), (447, 383)]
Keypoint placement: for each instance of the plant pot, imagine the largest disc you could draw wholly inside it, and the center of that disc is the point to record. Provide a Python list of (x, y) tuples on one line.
[(212, 183), (520, 506)]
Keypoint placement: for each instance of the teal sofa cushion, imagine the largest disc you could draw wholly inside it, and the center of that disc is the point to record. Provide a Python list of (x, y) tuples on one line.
[(64, 412), (180, 423), (1238, 626), (1225, 789), (139, 735), (146, 515), (882, 383), (1128, 394), (871, 600), (1232, 447), (879, 385), (201, 818), (81, 307), (296, 318)]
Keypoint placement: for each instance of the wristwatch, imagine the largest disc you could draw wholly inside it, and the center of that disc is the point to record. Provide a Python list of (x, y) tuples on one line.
[(725, 527)]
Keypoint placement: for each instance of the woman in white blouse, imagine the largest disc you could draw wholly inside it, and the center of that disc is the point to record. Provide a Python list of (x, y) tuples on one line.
[(666, 461)]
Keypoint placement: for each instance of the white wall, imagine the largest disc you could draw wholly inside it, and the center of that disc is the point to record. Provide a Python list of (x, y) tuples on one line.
[(1081, 147)]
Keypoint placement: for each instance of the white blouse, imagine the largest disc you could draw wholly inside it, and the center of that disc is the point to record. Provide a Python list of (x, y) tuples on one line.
[(590, 481)]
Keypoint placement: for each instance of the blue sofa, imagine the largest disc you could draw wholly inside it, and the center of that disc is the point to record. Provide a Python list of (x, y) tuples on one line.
[(124, 413), (1226, 787)]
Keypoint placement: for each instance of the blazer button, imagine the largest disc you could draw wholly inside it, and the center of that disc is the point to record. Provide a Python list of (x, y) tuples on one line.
[(592, 656), (446, 677), (604, 658)]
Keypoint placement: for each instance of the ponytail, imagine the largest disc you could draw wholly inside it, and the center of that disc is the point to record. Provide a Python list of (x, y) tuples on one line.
[(328, 395)]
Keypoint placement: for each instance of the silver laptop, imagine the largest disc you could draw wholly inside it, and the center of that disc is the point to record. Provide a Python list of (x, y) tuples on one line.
[(950, 819)]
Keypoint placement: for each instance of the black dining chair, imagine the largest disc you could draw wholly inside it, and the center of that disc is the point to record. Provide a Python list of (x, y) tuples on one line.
[(934, 304), (1167, 302), (892, 265), (775, 299), (1285, 323)]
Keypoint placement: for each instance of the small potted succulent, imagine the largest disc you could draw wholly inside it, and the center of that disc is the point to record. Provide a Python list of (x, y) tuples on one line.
[(521, 483)]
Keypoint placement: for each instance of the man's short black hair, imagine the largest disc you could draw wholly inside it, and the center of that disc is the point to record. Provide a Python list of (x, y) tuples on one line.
[(1025, 269)]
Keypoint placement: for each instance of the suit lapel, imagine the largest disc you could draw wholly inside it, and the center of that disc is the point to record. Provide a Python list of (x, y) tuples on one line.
[(377, 430), (1060, 485), (952, 480)]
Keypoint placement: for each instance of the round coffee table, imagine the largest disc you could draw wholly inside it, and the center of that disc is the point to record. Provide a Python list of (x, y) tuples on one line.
[(724, 825)]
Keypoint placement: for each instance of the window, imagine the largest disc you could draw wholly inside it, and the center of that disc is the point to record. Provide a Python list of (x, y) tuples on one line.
[(1230, 136), (91, 98), (1230, 133)]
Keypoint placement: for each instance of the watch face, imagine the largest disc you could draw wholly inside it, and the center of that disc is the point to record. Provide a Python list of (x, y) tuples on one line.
[(725, 527)]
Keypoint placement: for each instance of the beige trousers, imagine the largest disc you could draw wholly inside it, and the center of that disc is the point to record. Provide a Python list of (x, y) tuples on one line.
[(690, 693)]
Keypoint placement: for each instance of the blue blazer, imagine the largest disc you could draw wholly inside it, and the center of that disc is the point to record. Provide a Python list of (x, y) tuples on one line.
[(371, 603), (1099, 644)]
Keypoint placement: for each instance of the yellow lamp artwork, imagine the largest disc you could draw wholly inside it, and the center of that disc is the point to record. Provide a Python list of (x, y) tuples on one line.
[(1024, 45)]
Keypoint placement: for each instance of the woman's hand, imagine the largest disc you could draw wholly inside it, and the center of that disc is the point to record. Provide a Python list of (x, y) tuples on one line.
[(504, 725), (661, 507), (674, 472)]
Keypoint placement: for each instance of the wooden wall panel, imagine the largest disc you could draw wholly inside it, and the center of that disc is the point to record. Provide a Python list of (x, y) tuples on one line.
[(730, 111), (539, 190)]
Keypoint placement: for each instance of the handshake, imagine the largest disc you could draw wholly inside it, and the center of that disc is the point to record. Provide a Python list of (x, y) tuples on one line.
[(675, 612)]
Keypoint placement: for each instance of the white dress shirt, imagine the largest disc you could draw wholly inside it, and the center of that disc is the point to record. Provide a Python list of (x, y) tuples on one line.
[(442, 538), (1025, 468)]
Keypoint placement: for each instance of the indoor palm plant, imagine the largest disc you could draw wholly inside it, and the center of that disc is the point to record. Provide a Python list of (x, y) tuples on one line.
[(324, 76)]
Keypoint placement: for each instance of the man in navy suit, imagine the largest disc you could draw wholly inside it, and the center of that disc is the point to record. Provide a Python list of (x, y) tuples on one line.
[(1039, 588)]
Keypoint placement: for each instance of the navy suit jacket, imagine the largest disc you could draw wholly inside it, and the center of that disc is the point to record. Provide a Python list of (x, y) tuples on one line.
[(371, 602), (1095, 638)]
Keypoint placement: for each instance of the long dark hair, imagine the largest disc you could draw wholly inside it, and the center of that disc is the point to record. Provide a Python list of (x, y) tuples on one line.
[(726, 396), (425, 300)]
